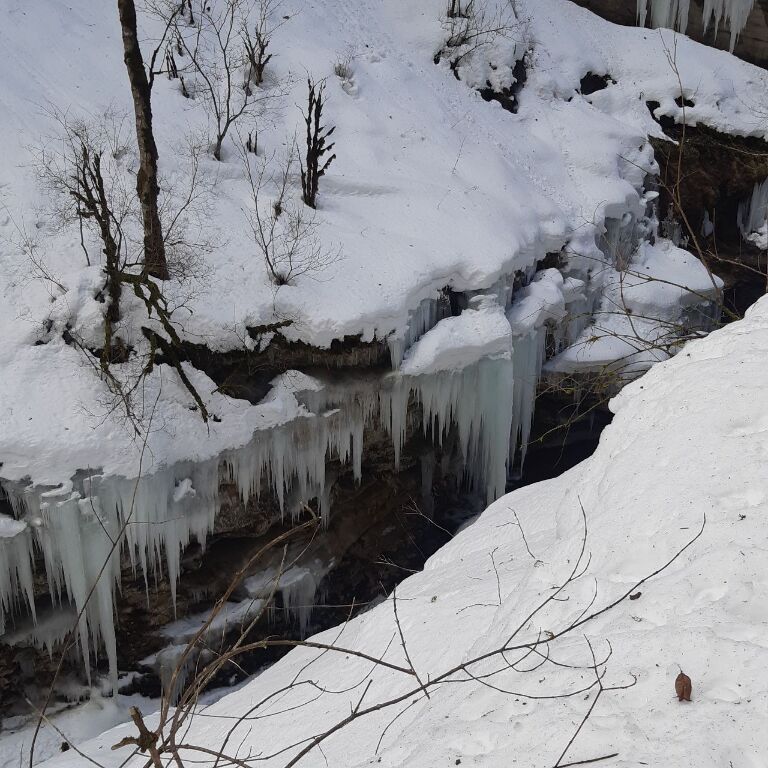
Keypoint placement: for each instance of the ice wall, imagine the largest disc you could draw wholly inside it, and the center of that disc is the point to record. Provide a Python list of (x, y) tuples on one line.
[(674, 14)]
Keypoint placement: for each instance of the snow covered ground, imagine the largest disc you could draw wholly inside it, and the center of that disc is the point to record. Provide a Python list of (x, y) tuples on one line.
[(689, 441)]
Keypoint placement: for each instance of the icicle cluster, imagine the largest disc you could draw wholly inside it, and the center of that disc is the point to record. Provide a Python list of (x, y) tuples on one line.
[(82, 529), (753, 215), (674, 14), (427, 315), (16, 570), (664, 13)]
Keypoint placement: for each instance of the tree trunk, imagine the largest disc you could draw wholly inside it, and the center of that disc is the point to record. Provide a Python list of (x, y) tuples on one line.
[(146, 179)]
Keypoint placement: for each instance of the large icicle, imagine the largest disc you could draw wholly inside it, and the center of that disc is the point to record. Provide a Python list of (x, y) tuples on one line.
[(528, 360), (76, 541), (477, 400), (735, 13), (753, 216), (665, 13), (16, 570), (461, 372)]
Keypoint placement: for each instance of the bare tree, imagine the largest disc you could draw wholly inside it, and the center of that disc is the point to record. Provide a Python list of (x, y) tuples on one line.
[(147, 185), (284, 233), (315, 165), (87, 172), (257, 43), (218, 50)]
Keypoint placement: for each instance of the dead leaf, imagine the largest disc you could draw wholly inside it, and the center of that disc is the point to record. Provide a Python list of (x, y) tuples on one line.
[(683, 687)]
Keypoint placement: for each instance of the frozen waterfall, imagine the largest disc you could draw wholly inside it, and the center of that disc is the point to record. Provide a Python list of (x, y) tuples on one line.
[(85, 531)]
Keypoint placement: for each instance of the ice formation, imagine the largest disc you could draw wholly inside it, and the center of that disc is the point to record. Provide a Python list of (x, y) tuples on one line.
[(665, 294), (425, 317), (165, 663), (674, 14), (664, 13), (753, 216), (82, 529), (16, 573)]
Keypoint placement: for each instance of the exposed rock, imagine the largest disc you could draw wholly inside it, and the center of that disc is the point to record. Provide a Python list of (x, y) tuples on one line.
[(717, 172)]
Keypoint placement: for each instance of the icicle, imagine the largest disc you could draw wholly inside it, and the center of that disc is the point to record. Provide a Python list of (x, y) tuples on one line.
[(82, 529), (735, 13), (753, 213), (528, 359), (16, 573), (46, 630), (298, 587), (79, 544), (674, 14), (642, 12), (476, 400), (425, 316)]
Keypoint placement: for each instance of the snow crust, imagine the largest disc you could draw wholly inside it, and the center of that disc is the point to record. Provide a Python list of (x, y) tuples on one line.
[(689, 439)]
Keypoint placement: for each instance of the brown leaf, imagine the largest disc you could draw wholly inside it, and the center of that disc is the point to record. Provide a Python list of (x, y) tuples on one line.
[(683, 687)]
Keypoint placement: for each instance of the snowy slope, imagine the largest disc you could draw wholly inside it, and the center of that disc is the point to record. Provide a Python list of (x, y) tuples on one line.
[(432, 187), (689, 440)]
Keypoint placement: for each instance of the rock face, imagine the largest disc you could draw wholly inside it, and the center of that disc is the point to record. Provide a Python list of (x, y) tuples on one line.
[(751, 46), (717, 172)]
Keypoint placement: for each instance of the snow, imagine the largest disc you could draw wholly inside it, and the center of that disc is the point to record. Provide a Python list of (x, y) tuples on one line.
[(543, 301), (79, 723), (457, 342), (664, 293), (688, 440)]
